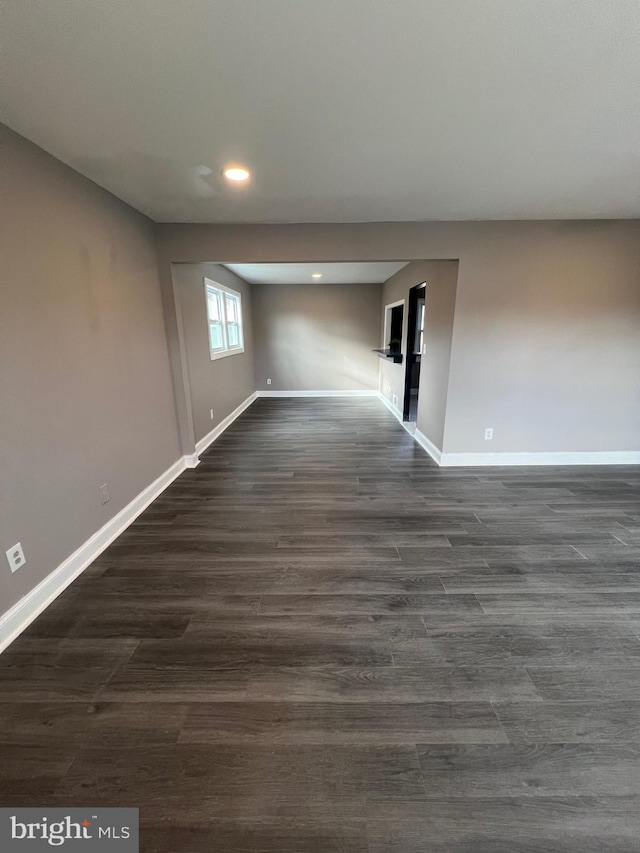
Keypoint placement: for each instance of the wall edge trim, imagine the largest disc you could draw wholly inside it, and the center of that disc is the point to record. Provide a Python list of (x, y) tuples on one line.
[(599, 457), (210, 437), (18, 617), (434, 452), (317, 393), (397, 414)]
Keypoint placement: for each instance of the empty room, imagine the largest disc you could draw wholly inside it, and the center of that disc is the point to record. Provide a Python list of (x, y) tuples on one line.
[(320, 426)]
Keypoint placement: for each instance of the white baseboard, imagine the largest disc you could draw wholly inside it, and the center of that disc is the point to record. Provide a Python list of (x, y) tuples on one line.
[(395, 412), (604, 457), (202, 445), (317, 393), (429, 446), (472, 460), (22, 614)]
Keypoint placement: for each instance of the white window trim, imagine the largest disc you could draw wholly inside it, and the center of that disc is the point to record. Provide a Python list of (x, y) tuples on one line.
[(214, 355), (387, 320)]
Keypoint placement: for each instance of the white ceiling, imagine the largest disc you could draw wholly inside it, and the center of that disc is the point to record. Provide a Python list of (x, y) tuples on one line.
[(348, 273), (345, 110)]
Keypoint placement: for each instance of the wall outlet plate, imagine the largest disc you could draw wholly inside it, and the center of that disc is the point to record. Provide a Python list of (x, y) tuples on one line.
[(211, 413), (268, 382), (105, 497), (488, 434), (15, 557)]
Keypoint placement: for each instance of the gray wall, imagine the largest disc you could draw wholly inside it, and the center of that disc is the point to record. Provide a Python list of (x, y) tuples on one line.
[(84, 373), (546, 342), (438, 339), (440, 299), (317, 337), (226, 382)]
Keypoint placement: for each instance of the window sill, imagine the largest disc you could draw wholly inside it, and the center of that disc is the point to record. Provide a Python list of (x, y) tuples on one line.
[(216, 355), (387, 354)]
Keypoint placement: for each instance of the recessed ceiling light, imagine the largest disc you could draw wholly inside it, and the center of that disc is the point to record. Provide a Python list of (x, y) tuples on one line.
[(236, 173), (316, 275)]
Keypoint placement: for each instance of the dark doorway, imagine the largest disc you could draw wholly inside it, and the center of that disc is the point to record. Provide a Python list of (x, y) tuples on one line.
[(414, 348)]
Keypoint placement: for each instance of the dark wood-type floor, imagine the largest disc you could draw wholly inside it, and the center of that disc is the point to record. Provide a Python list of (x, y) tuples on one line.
[(319, 641)]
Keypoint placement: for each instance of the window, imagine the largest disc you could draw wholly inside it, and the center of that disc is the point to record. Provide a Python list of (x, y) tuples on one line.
[(224, 315)]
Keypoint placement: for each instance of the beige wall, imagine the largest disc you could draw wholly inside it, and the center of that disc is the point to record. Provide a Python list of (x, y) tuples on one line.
[(440, 299), (84, 373), (439, 316), (391, 376), (546, 346), (317, 337), (546, 341), (226, 382)]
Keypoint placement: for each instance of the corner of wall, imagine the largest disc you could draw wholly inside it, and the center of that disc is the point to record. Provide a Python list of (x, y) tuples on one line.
[(455, 328)]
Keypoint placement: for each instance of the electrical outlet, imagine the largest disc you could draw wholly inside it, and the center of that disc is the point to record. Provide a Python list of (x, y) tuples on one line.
[(268, 382), (488, 434), (15, 557), (394, 400), (105, 497), (211, 413)]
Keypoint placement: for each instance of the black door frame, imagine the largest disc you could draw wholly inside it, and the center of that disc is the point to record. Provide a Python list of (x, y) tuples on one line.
[(412, 319)]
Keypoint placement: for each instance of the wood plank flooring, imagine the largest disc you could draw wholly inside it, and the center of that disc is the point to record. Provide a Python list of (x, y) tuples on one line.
[(319, 641)]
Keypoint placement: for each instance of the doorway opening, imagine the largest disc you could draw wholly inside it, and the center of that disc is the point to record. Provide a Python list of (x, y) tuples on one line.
[(392, 335), (414, 350)]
